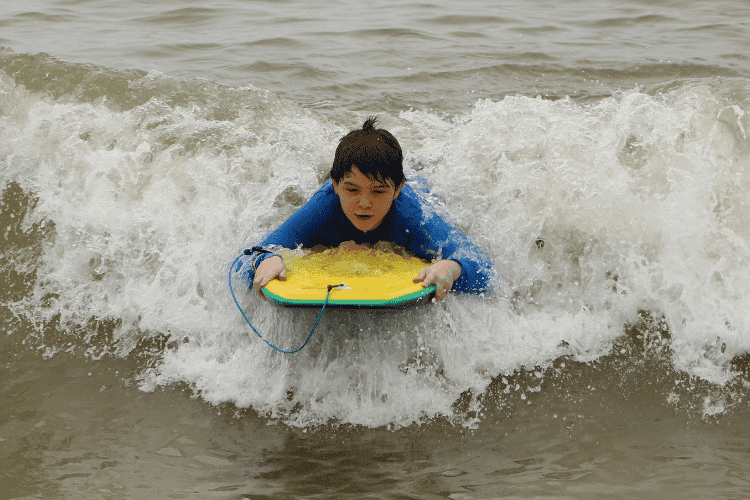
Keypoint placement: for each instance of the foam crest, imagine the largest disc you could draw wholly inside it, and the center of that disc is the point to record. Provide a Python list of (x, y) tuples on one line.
[(149, 204), (610, 208)]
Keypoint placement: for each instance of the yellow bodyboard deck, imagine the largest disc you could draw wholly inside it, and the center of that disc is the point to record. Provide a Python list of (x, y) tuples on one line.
[(372, 278)]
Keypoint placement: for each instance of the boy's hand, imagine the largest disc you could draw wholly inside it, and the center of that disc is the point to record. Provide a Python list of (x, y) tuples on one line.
[(441, 274), (272, 267)]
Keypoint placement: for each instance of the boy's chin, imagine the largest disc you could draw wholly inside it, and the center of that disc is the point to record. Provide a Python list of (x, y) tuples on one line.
[(365, 224)]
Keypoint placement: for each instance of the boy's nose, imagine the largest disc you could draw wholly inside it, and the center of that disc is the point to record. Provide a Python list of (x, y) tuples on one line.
[(364, 202)]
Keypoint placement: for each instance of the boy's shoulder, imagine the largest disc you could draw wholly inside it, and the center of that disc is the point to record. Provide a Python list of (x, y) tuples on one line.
[(325, 193)]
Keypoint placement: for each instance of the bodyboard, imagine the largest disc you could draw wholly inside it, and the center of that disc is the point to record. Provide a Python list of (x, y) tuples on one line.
[(372, 279)]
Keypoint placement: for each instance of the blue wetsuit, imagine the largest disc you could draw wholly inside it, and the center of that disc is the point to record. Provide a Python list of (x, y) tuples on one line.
[(321, 221)]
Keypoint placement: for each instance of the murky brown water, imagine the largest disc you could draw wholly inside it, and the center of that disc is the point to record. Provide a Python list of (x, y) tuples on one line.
[(75, 428)]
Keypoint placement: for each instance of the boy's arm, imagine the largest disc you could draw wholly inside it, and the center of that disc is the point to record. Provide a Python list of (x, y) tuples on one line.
[(476, 268), (428, 235), (304, 227)]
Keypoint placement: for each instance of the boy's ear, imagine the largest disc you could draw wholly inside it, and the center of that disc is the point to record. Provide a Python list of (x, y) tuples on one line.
[(398, 189)]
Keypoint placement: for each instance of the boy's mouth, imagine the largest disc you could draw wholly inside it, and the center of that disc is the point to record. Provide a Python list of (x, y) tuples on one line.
[(363, 217)]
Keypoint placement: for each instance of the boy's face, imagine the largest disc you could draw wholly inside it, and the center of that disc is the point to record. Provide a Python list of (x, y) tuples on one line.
[(365, 201)]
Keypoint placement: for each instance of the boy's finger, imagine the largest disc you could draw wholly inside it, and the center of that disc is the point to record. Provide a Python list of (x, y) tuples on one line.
[(420, 276), (439, 292), (259, 282), (442, 287), (430, 278)]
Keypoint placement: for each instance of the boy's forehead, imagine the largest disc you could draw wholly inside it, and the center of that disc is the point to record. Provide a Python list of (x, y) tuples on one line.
[(354, 176)]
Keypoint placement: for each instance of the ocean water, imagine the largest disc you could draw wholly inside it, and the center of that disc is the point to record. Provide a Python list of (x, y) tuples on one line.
[(597, 151)]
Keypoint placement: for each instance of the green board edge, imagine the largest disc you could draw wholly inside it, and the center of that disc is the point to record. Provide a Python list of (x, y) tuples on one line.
[(402, 302)]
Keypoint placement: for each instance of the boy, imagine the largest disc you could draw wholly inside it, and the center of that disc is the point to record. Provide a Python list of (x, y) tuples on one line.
[(367, 200)]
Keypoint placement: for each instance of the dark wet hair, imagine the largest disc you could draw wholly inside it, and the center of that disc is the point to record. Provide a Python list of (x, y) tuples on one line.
[(375, 152)]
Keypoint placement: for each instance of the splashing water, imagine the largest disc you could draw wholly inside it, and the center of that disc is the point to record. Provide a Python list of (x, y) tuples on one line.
[(598, 214)]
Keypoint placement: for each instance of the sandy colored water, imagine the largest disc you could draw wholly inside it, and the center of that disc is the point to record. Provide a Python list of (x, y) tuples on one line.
[(74, 428)]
